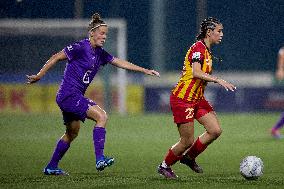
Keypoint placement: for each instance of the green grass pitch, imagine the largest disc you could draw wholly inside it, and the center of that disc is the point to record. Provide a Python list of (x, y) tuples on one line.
[(138, 144)]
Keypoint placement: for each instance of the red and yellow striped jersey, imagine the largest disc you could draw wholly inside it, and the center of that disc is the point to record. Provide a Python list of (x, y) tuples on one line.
[(189, 88)]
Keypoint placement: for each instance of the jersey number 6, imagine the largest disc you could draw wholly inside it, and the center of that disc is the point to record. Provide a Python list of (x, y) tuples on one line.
[(86, 78)]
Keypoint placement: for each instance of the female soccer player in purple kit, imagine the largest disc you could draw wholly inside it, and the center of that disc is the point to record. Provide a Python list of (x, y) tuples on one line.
[(275, 130), (84, 60)]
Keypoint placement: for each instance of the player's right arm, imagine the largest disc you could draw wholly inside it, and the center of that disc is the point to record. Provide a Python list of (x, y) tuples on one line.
[(198, 73), (51, 62)]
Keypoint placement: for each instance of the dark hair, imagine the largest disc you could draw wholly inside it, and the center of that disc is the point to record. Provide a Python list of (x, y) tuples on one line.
[(96, 22), (206, 24)]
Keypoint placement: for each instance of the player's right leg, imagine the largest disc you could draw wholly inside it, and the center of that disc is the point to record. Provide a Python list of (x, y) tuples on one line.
[(72, 130), (99, 134), (183, 114), (167, 172), (174, 154)]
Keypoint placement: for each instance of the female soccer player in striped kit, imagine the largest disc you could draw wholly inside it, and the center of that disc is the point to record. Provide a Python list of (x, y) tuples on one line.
[(188, 103), (84, 60)]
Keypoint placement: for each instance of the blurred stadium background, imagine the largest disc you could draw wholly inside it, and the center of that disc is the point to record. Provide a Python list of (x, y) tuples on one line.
[(154, 34)]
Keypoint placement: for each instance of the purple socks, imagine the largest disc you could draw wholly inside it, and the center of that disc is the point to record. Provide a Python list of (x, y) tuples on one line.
[(280, 122), (58, 153), (61, 148), (99, 134)]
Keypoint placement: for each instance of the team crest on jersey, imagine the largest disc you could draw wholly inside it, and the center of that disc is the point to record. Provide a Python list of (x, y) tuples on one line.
[(207, 61), (196, 55)]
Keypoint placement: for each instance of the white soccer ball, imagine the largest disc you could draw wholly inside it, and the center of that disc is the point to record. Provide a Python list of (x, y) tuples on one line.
[(251, 167)]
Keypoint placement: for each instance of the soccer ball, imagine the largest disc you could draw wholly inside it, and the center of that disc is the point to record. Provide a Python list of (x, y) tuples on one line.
[(251, 167)]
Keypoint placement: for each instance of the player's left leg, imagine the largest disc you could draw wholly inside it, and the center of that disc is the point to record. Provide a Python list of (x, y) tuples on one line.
[(99, 134), (206, 116), (213, 131), (189, 157), (275, 131), (212, 126)]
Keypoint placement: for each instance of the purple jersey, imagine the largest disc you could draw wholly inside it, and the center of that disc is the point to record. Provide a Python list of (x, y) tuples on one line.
[(83, 64)]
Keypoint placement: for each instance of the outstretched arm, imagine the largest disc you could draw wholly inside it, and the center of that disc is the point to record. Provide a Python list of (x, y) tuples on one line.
[(129, 66), (198, 73), (51, 62)]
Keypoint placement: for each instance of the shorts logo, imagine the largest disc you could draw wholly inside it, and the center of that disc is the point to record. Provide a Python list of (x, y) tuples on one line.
[(190, 113), (78, 102)]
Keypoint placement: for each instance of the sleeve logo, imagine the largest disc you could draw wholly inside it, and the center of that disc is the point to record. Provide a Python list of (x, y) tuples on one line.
[(70, 48), (196, 55)]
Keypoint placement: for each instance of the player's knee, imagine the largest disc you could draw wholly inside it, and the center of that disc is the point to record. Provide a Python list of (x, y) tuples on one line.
[(72, 131), (72, 135), (102, 119), (216, 133), (186, 143)]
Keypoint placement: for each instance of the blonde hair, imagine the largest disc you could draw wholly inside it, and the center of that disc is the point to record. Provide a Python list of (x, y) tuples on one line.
[(96, 22)]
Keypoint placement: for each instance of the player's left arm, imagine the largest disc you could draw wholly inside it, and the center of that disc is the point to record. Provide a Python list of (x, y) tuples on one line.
[(129, 66), (198, 73)]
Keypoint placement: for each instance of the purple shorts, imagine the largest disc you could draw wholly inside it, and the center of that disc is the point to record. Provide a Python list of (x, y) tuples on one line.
[(74, 107)]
